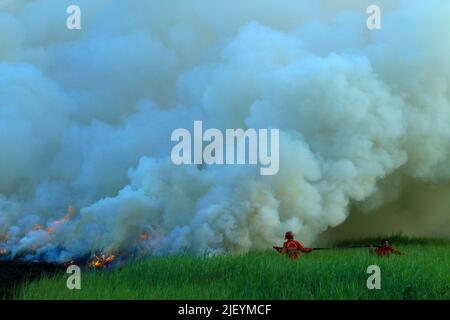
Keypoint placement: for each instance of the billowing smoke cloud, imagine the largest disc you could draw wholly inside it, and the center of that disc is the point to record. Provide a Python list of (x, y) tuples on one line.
[(86, 118)]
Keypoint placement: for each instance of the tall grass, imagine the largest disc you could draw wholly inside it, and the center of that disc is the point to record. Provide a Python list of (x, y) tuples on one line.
[(398, 239), (423, 273)]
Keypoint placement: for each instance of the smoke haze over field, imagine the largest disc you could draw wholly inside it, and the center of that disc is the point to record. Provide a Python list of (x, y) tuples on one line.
[(86, 118)]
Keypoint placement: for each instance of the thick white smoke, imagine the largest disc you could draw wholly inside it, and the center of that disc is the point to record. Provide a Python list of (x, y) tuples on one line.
[(86, 118)]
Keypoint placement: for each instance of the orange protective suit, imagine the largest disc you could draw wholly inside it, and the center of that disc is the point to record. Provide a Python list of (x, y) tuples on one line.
[(386, 251), (293, 248)]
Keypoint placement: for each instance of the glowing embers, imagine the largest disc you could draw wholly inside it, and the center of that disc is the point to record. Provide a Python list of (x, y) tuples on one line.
[(3, 247), (3, 251), (145, 241), (25, 241), (100, 262), (53, 225)]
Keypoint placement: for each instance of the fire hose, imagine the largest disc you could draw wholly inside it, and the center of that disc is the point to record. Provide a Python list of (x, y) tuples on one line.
[(279, 249)]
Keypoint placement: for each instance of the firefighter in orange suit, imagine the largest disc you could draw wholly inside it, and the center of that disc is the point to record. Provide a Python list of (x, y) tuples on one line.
[(385, 249), (292, 247)]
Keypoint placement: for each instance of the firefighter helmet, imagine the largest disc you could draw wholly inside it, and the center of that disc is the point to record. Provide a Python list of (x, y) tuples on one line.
[(289, 235)]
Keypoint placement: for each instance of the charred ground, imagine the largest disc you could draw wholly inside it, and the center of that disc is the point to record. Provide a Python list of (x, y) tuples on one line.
[(14, 273)]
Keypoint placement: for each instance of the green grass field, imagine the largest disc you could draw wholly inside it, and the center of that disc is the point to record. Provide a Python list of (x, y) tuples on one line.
[(423, 273)]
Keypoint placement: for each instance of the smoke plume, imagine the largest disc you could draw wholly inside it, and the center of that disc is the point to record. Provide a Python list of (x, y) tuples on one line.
[(86, 117)]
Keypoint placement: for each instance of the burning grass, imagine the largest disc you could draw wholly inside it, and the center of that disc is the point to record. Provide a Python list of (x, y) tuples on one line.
[(423, 273)]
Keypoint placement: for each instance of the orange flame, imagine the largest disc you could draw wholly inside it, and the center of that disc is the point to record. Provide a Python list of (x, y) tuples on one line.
[(102, 261), (67, 217)]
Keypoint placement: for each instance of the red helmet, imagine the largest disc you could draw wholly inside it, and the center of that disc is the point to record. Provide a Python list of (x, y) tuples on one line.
[(289, 235)]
